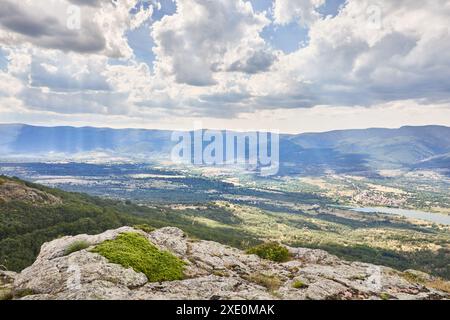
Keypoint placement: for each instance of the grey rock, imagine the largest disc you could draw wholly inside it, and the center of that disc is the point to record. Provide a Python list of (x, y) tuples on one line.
[(172, 239), (213, 271)]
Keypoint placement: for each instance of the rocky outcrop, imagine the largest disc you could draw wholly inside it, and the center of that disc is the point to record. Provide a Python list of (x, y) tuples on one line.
[(213, 271), (16, 191)]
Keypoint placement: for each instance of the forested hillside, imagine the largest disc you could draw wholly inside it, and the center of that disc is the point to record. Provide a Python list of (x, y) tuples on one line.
[(27, 223)]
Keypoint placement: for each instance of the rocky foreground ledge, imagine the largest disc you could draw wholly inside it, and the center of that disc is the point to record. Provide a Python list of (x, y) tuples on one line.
[(211, 271)]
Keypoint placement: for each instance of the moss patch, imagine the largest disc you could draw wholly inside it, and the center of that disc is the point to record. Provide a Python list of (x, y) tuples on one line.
[(299, 285), (132, 250), (271, 251), (385, 296)]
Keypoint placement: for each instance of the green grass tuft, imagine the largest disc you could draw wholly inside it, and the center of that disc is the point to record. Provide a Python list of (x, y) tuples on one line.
[(385, 296), (299, 285), (132, 250), (76, 246), (271, 251)]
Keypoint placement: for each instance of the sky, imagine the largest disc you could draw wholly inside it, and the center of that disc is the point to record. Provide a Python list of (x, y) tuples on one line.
[(286, 65)]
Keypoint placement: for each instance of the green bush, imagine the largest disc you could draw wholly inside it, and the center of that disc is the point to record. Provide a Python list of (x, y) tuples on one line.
[(144, 227), (76, 246), (385, 296), (132, 250), (298, 284), (271, 251)]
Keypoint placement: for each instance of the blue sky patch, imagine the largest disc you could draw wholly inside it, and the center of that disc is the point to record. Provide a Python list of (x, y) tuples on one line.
[(168, 8), (331, 7), (261, 5), (141, 41), (288, 38)]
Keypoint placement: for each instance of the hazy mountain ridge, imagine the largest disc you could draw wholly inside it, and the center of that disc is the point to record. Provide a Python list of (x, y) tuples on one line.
[(436, 162), (404, 146), (341, 151)]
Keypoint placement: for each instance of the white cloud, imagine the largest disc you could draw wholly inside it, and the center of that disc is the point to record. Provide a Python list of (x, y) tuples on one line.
[(9, 85), (81, 26), (66, 83), (352, 59), (304, 12), (212, 63), (205, 37)]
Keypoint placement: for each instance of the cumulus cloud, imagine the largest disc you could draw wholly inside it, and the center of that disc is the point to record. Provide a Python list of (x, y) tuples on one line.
[(63, 73), (82, 26), (255, 63), (367, 55), (212, 59), (205, 37), (90, 3), (62, 83), (303, 12)]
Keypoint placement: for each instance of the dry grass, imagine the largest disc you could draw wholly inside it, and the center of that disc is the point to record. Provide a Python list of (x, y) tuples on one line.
[(5, 294), (440, 285), (271, 282)]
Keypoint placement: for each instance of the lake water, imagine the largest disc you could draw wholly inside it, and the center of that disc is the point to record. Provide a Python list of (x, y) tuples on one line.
[(415, 214)]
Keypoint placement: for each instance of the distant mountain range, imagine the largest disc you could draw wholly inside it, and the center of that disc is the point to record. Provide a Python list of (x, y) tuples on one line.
[(426, 147)]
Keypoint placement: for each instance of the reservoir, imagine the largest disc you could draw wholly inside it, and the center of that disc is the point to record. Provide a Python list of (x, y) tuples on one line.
[(414, 214)]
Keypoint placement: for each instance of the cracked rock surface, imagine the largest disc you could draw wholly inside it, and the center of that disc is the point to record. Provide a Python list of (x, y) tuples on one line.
[(213, 271)]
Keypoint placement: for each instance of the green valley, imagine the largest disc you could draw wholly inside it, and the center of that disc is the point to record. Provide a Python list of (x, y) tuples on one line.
[(377, 238)]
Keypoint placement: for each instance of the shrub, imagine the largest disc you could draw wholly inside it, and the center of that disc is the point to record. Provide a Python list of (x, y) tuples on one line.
[(144, 227), (298, 284), (385, 296), (132, 250), (76, 246), (271, 251)]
